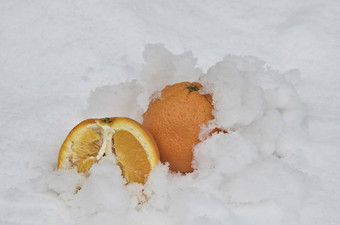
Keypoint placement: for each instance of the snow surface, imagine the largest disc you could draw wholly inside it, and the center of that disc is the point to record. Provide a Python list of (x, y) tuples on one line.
[(271, 66)]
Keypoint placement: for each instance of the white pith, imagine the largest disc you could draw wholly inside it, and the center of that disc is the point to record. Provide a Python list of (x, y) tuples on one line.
[(106, 147)]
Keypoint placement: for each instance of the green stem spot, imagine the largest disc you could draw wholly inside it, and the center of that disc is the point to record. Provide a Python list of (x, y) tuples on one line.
[(193, 88), (107, 120)]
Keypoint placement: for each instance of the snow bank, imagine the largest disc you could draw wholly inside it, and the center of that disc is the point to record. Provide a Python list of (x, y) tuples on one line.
[(251, 175)]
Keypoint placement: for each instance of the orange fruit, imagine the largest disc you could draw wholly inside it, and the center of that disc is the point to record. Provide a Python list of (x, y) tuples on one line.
[(175, 121), (133, 147)]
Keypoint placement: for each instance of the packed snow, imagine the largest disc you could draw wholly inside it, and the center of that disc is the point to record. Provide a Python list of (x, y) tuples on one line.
[(63, 62)]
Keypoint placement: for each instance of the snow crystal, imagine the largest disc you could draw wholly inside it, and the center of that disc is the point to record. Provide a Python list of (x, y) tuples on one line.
[(278, 162), (65, 61), (103, 190), (163, 68), (237, 98), (243, 176), (117, 100)]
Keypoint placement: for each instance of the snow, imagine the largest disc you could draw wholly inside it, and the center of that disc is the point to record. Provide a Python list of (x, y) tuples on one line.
[(271, 66)]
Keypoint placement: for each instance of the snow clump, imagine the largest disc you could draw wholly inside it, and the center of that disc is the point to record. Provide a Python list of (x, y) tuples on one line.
[(245, 176)]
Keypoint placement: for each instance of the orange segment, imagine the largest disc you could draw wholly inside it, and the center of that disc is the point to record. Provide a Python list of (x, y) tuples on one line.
[(81, 146), (131, 155), (132, 145)]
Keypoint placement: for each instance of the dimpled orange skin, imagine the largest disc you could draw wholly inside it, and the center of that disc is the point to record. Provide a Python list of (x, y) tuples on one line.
[(175, 122)]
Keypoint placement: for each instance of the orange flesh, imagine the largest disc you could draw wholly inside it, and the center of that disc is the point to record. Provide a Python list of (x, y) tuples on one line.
[(121, 138), (132, 156), (87, 149)]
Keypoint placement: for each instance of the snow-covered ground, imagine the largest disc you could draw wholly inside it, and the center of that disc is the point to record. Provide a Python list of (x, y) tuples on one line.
[(272, 67)]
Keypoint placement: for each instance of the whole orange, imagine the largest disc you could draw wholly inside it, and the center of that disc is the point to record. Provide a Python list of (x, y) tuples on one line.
[(175, 121)]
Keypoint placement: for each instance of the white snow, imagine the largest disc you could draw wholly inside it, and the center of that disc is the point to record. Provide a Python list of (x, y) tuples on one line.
[(272, 68)]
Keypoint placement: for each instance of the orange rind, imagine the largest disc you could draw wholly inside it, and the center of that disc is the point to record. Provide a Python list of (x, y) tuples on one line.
[(126, 141)]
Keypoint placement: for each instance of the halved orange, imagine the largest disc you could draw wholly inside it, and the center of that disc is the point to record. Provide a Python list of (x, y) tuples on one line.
[(134, 148)]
